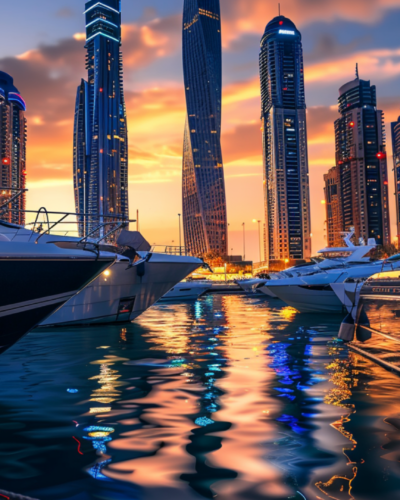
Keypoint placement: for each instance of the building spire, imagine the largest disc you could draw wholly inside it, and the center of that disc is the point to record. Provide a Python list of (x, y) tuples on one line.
[(357, 75), (279, 9)]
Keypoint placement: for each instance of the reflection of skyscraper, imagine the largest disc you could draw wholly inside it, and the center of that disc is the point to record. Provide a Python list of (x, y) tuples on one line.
[(12, 147), (396, 166), (204, 203), (100, 130), (361, 167), (286, 184)]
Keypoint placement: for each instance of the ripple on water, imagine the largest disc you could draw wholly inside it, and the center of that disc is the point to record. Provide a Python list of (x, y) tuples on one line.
[(235, 397)]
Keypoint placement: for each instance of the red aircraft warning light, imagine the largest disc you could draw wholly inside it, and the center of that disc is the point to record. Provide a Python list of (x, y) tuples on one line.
[(6, 161), (280, 23), (351, 124), (381, 155)]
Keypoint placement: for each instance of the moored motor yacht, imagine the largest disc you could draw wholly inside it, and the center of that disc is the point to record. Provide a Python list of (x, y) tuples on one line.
[(328, 259), (135, 282), (251, 285), (38, 279), (314, 292), (125, 291), (186, 291)]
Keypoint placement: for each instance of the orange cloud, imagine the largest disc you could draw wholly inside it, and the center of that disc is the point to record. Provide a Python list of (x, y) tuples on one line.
[(142, 44), (382, 64), (238, 19)]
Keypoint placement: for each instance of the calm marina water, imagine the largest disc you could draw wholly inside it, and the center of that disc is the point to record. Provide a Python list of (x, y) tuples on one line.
[(232, 397)]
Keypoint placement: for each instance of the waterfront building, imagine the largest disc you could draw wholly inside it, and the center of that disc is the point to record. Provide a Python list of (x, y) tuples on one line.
[(333, 205), (396, 168), (361, 166), (100, 128), (284, 132), (13, 137), (203, 185)]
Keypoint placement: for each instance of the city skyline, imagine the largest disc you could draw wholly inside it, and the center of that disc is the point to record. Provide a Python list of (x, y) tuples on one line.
[(334, 39)]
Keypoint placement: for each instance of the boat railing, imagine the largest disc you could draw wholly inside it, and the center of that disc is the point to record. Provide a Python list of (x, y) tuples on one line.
[(42, 222), (170, 250)]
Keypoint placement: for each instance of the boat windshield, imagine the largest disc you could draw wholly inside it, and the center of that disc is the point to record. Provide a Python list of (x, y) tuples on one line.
[(334, 254)]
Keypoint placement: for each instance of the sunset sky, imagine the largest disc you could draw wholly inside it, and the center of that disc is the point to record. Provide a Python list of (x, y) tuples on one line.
[(43, 49)]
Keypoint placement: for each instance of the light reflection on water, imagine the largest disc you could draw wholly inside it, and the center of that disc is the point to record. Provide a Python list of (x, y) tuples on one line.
[(230, 397)]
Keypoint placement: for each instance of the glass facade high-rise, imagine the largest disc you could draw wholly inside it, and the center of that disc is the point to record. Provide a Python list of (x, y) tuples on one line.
[(100, 129), (13, 137), (361, 165), (396, 167), (203, 185), (284, 132)]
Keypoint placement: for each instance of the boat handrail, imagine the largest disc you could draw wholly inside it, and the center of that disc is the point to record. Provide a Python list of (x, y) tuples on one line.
[(170, 250), (102, 221)]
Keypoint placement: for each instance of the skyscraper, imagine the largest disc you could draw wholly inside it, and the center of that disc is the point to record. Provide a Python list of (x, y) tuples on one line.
[(284, 131), (334, 207), (100, 128), (361, 166), (203, 185), (396, 166), (13, 136)]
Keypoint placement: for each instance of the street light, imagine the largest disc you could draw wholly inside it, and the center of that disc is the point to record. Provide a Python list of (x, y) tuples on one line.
[(180, 235), (259, 236), (244, 240), (227, 243)]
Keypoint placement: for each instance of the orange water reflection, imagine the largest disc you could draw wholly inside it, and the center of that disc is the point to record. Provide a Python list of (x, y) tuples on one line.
[(242, 398)]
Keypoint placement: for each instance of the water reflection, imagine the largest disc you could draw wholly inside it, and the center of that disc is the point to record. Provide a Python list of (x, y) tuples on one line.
[(230, 397)]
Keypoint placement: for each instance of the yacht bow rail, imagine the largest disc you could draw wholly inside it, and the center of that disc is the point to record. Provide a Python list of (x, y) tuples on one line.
[(170, 250), (45, 222)]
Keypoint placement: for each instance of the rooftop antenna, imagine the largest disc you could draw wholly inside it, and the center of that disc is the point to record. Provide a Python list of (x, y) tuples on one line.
[(279, 9), (357, 76)]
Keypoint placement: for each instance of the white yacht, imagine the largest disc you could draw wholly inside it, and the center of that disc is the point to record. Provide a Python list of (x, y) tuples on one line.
[(186, 291), (38, 279), (251, 285), (315, 294), (308, 288), (135, 282)]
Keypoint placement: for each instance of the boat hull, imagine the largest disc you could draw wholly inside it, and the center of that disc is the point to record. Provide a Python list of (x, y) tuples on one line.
[(309, 299), (185, 292), (32, 289), (125, 293), (266, 291)]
